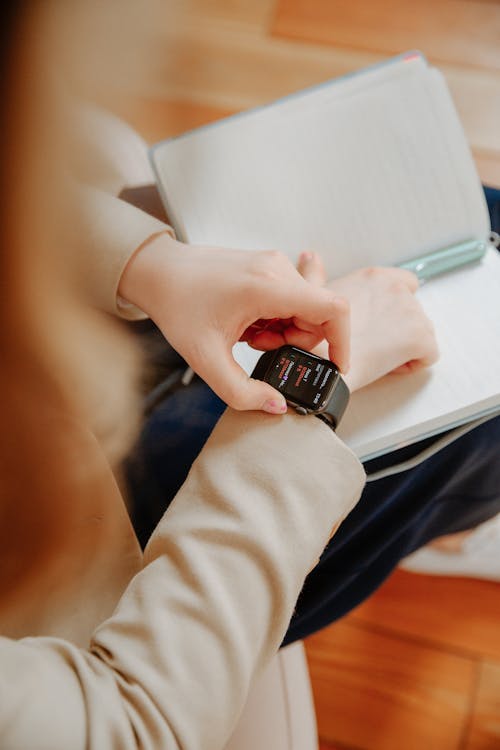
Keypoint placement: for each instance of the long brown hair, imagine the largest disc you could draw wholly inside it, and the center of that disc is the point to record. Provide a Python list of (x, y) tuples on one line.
[(64, 370)]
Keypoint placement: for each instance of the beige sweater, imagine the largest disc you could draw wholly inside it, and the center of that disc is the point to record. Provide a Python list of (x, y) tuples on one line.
[(158, 652), (209, 605)]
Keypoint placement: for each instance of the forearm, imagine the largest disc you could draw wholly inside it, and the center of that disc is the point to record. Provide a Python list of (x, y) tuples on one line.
[(223, 571)]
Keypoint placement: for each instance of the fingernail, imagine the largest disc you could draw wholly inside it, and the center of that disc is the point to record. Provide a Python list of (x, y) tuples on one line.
[(275, 406), (306, 256)]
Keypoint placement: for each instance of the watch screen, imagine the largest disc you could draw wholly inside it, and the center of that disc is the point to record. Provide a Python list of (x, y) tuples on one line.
[(302, 377)]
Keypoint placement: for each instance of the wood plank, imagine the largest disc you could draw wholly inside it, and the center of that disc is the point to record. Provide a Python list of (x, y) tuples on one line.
[(484, 731), (203, 62), (456, 614), (328, 746), (488, 166), (371, 690), (156, 119), (255, 15), (457, 31)]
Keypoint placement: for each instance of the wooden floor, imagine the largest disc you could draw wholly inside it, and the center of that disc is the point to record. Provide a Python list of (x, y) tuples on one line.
[(417, 667)]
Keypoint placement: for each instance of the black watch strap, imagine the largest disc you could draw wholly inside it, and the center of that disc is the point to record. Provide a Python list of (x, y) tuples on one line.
[(337, 406)]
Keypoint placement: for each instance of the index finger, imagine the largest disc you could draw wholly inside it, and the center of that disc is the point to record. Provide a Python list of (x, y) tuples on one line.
[(318, 306), (337, 332), (336, 329)]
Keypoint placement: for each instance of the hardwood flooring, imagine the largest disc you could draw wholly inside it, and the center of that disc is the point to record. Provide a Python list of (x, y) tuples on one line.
[(416, 666)]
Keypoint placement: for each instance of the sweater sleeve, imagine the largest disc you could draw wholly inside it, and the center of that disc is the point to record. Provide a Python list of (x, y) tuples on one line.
[(171, 668), (107, 156), (113, 231)]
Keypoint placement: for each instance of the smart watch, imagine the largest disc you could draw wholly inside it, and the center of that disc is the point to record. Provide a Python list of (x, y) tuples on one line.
[(310, 384)]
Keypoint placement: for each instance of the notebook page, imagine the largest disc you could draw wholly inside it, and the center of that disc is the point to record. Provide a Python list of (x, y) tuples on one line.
[(464, 306), (349, 85), (175, 162), (367, 178), (466, 177)]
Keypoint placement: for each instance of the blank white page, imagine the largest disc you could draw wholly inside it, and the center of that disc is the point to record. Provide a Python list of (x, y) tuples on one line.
[(363, 171)]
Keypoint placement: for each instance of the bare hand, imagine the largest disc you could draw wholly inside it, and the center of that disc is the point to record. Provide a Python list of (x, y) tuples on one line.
[(206, 299), (389, 330)]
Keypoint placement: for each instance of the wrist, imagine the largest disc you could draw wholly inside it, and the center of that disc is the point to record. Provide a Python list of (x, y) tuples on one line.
[(140, 276)]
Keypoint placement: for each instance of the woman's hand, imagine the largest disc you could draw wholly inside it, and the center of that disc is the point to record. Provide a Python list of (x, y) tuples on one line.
[(206, 299), (389, 330)]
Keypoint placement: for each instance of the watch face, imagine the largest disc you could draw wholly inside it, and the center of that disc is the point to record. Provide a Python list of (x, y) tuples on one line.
[(302, 377)]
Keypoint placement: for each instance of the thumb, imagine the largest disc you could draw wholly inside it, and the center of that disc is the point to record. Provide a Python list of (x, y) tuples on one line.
[(311, 268), (214, 362)]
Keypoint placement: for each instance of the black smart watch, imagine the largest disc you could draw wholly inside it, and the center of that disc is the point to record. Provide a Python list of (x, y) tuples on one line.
[(310, 384)]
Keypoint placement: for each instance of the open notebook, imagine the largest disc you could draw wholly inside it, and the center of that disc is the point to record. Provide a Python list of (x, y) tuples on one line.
[(373, 168)]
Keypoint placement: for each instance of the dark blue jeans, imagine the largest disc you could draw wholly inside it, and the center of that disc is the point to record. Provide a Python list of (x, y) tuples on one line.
[(453, 490)]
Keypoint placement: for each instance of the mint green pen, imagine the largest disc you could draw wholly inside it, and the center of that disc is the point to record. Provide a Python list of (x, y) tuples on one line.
[(427, 266)]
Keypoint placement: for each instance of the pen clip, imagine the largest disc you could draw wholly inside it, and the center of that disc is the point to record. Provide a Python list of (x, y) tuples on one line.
[(446, 259)]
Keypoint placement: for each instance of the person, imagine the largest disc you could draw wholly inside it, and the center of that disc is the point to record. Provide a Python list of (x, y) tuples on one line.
[(432, 507), (155, 267), (101, 645), (413, 497), (437, 488)]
